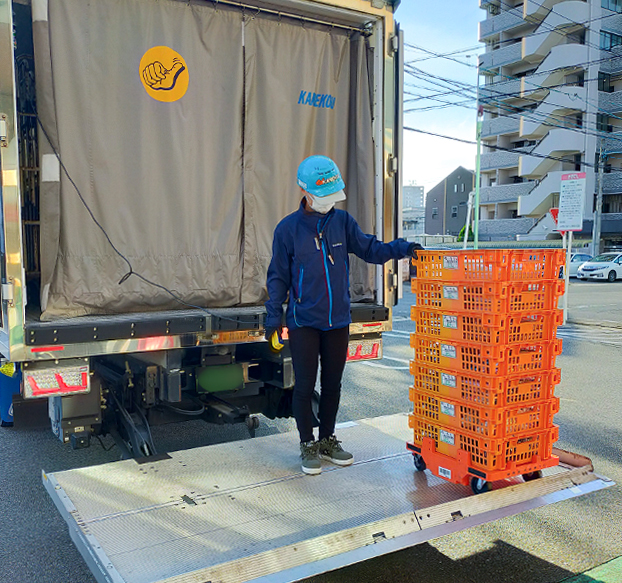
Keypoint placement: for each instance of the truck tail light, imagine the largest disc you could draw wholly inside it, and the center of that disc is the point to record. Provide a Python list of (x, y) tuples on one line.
[(364, 350), (56, 379)]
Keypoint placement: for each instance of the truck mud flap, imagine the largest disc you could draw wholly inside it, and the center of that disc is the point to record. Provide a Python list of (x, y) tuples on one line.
[(243, 511)]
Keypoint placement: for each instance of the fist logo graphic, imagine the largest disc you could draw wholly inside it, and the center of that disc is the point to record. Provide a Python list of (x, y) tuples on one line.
[(160, 78), (164, 74)]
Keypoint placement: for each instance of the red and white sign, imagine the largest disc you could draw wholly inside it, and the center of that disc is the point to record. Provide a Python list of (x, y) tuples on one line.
[(571, 202)]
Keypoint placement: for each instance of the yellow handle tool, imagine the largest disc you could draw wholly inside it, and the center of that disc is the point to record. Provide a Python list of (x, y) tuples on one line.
[(275, 342)]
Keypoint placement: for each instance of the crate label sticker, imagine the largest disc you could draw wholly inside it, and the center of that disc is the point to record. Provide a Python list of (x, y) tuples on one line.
[(450, 262), (448, 350), (448, 380), (450, 292), (444, 473), (450, 322), (448, 409), (447, 437)]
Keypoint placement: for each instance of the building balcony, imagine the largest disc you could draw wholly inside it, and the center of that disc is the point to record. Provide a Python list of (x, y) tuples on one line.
[(501, 89), (558, 143), (495, 160), (610, 102), (613, 143), (505, 21), (504, 192), (500, 126), (498, 57), (612, 183), (553, 29), (534, 11), (505, 228), (550, 112), (612, 64), (560, 62), (538, 200)]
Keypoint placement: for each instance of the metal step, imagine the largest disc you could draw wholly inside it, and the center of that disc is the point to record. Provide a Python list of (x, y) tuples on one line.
[(243, 511)]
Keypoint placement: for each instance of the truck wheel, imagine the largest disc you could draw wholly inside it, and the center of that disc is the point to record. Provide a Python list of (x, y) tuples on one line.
[(419, 462), (532, 476), (480, 486), (612, 276)]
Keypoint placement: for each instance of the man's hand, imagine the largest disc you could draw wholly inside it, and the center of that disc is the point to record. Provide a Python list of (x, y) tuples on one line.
[(274, 336), (159, 78), (413, 248)]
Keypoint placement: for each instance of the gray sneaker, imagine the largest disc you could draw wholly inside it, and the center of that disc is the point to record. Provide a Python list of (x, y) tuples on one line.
[(311, 463), (331, 450)]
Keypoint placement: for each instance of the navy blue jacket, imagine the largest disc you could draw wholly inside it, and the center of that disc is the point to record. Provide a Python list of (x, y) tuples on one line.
[(310, 261)]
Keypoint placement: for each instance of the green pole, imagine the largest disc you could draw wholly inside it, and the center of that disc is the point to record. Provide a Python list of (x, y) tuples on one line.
[(477, 181), (478, 131)]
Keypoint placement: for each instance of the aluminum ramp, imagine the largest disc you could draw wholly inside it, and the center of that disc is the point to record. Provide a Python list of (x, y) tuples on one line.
[(243, 511)]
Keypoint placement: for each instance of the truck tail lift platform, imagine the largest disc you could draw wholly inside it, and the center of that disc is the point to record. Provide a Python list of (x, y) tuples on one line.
[(243, 511)]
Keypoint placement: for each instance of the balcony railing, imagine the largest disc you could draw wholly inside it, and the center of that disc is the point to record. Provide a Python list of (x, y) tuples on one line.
[(505, 227), (494, 160), (612, 183), (502, 56), (500, 125), (610, 102), (502, 89), (504, 21), (504, 192)]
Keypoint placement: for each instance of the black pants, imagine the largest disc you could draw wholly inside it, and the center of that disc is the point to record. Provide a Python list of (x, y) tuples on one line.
[(308, 345)]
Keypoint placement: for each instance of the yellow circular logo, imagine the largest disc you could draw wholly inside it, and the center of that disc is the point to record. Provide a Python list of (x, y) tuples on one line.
[(164, 74)]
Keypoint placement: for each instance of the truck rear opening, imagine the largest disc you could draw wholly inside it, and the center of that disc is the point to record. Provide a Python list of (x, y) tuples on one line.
[(243, 511)]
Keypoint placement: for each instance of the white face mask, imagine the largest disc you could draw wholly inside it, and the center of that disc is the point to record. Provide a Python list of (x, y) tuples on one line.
[(319, 206)]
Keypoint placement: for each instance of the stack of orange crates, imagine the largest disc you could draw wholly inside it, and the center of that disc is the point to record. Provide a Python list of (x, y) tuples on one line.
[(484, 368)]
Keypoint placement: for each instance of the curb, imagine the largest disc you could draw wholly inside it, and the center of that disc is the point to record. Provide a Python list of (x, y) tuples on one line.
[(610, 572), (605, 324)]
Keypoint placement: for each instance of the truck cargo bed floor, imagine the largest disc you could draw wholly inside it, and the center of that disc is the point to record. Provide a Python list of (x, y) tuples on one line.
[(244, 511)]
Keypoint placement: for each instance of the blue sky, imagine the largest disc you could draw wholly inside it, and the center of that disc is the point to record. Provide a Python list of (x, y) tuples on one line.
[(440, 27)]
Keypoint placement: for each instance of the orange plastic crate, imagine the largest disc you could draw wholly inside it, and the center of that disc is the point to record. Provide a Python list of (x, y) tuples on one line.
[(487, 297), (487, 391), (490, 264), (486, 454), (493, 422), (458, 356), (486, 359), (487, 328)]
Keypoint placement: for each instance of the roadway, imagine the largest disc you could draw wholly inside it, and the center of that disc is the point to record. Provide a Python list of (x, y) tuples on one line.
[(546, 545)]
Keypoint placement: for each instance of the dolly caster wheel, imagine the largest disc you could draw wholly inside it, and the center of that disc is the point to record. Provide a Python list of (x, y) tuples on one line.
[(419, 462), (532, 476), (480, 486), (252, 423)]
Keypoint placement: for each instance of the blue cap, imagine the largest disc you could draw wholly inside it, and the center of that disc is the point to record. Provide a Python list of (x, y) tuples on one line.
[(320, 177)]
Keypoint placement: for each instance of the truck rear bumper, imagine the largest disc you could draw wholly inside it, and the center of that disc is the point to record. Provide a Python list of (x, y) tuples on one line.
[(243, 511)]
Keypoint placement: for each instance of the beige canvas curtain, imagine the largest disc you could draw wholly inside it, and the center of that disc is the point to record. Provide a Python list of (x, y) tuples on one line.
[(182, 125)]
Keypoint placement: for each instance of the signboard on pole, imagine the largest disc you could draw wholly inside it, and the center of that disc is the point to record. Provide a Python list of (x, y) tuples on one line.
[(571, 202)]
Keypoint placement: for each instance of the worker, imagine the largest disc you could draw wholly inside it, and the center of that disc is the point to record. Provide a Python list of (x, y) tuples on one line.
[(310, 262)]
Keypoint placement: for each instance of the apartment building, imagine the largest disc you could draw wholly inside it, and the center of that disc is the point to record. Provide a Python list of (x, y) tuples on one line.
[(552, 96), (413, 210), (446, 203)]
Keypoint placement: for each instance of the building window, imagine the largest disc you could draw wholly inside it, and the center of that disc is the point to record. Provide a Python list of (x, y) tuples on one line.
[(435, 213), (455, 188), (454, 212), (462, 187), (609, 40), (602, 123), (604, 81), (615, 5)]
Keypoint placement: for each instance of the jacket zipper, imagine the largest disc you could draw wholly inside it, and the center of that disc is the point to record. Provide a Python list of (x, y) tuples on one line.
[(326, 256)]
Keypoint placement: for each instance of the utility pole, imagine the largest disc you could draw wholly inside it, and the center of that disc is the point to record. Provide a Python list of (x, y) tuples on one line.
[(599, 202)]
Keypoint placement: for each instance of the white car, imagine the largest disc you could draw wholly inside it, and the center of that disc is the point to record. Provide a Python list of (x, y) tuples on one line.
[(605, 266), (576, 259)]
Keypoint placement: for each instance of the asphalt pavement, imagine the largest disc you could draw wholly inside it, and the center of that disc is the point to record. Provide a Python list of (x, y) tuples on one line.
[(547, 545)]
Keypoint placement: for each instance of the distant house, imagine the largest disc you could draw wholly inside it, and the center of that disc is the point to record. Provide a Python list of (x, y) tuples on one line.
[(446, 203)]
